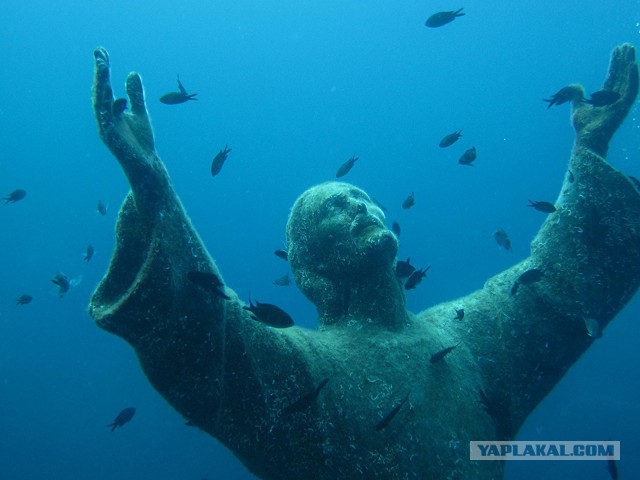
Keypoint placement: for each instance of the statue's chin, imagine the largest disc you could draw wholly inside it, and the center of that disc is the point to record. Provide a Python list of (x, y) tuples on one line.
[(379, 246)]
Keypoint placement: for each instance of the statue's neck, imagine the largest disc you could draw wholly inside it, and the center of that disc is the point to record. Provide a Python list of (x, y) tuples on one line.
[(368, 301)]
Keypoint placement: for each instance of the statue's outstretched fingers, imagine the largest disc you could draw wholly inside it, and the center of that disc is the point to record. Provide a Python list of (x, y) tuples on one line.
[(135, 92), (628, 55), (102, 91), (623, 70), (138, 120), (102, 64), (595, 124)]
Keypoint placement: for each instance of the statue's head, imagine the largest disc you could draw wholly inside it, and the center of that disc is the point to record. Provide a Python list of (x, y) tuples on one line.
[(337, 242)]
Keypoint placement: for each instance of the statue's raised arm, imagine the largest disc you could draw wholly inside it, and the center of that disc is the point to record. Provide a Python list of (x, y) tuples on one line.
[(164, 295), (528, 325), (376, 392)]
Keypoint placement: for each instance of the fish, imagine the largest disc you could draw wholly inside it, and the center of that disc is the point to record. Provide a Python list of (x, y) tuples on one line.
[(502, 239), (527, 278), (306, 400), (88, 254), (442, 18), (409, 202), (404, 268), (468, 157), (218, 161), (15, 196), (174, 98), (209, 282), (389, 416), (564, 95), (603, 98), (459, 314), (395, 228), (346, 166), (282, 281), (269, 314), (439, 356), (612, 468), (415, 278), (283, 254), (101, 208), (123, 417), (119, 106), (594, 329), (23, 299), (542, 206), (63, 283), (450, 139)]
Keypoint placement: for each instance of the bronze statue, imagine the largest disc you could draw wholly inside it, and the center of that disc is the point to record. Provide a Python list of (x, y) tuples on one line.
[(363, 397)]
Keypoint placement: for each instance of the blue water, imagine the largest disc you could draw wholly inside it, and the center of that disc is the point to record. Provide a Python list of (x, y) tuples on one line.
[(295, 88)]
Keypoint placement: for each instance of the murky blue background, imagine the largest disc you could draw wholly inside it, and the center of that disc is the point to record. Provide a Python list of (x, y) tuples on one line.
[(295, 88)]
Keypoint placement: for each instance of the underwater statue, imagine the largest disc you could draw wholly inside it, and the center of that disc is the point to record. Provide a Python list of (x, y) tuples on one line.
[(376, 392)]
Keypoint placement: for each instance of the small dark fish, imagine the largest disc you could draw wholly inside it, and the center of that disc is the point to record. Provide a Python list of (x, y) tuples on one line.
[(15, 196), (603, 98), (23, 299), (404, 268), (281, 254), (545, 207), (389, 416), (119, 106), (63, 283), (594, 329), (346, 166), (269, 314), (415, 278), (450, 139), (459, 314), (468, 157), (409, 202), (123, 417), (218, 160), (88, 254), (102, 208), (439, 356), (612, 468), (531, 276), (395, 228), (174, 98), (282, 281), (570, 176), (635, 181), (209, 282), (502, 239), (442, 18), (527, 278), (306, 400), (564, 95)]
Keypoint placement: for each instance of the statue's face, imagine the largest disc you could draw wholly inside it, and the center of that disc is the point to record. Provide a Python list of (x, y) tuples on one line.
[(345, 231), (349, 218)]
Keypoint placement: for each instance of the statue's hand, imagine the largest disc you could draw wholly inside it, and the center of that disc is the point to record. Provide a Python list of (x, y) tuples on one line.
[(124, 132), (596, 125), (128, 133)]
